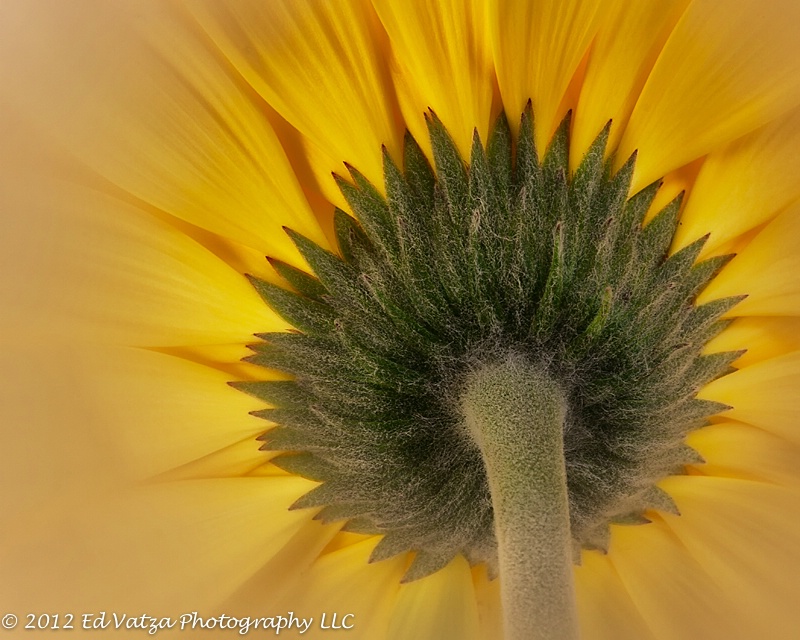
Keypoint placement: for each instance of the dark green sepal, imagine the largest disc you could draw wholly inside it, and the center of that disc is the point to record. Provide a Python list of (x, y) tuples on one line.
[(451, 171), (304, 283), (337, 512), (633, 518), (657, 498), (307, 315), (280, 393), (704, 321), (528, 171), (351, 238), (391, 545), (499, 153), (371, 210), (334, 273), (306, 465), (361, 524), (418, 172), (424, 564), (593, 167), (656, 236)]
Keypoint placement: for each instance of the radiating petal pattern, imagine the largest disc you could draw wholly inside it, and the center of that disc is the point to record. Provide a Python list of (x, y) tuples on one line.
[(688, 602), (721, 75), (762, 337), (737, 450), (765, 270), (744, 184), (552, 37), (322, 67), (438, 606), (764, 395), (152, 109), (173, 398), (722, 520), (629, 40), (442, 60), (111, 272), (166, 543), (328, 587), (606, 608)]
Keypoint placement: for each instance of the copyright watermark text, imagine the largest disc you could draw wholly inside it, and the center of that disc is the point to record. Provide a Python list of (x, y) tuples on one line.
[(151, 625)]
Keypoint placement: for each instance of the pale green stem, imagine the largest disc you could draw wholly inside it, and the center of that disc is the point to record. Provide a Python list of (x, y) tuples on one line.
[(515, 414)]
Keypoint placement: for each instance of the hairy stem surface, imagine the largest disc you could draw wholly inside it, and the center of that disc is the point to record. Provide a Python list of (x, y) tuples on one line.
[(515, 414)]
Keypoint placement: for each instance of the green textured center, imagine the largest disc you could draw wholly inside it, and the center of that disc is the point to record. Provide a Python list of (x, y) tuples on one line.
[(501, 259)]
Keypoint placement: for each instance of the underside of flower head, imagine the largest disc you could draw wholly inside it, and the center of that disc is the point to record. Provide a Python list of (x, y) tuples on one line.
[(463, 266)]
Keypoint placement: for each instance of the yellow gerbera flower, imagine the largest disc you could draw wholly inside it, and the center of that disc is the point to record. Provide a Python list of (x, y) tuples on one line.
[(154, 152)]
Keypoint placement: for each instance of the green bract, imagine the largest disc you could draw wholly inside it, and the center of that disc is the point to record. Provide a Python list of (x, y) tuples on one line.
[(468, 265)]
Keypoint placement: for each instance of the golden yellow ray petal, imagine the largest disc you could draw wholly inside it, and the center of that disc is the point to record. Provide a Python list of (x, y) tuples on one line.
[(441, 52), (321, 66), (737, 450), (439, 606), (226, 358), (744, 184), (670, 588), (766, 270), (344, 539), (48, 444), (629, 39), (185, 545), (722, 74), (763, 337), (281, 575), (343, 582), (604, 605), (745, 536), (764, 395), (232, 461), (165, 411), (537, 48), (487, 598), (673, 184), (84, 265), (138, 96)]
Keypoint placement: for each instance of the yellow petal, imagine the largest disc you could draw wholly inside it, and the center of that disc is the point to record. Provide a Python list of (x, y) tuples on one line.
[(736, 450), (145, 102), (745, 536), (183, 411), (723, 73), (343, 582), (671, 589), (322, 66), (537, 48), (487, 597), (766, 270), (226, 358), (744, 184), (630, 37), (764, 395), (83, 265), (763, 337), (439, 606), (441, 52), (48, 444), (605, 608), (185, 546), (284, 573)]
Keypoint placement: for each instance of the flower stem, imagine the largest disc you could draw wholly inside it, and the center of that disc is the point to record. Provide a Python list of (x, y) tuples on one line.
[(515, 414)]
